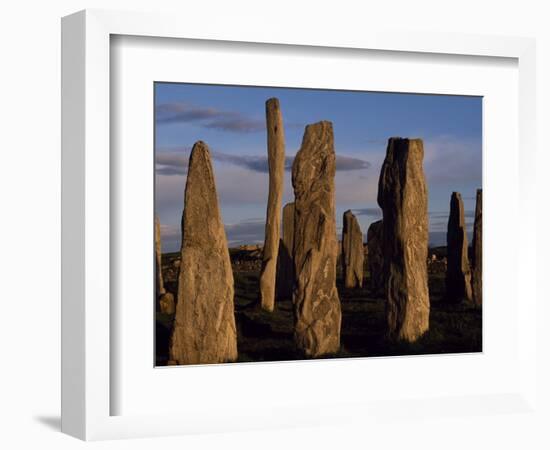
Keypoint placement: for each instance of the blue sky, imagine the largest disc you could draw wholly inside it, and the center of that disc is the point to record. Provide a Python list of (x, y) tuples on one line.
[(231, 120)]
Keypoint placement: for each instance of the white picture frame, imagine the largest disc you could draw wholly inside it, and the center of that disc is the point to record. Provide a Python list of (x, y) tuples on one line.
[(87, 385)]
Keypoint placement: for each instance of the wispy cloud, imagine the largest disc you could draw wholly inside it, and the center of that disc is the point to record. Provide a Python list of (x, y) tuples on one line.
[(372, 212), (176, 162), (440, 219), (448, 159), (445, 214), (206, 117), (346, 163), (248, 231), (251, 162), (260, 163), (172, 163)]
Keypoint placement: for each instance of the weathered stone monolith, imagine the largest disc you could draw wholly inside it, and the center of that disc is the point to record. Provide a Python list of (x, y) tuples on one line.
[(285, 264), (352, 251), (458, 279), (204, 326), (375, 260), (167, 305), (477, 244), (165, 299), (403, 197), (158, 260), (317, 311), (276, 162)]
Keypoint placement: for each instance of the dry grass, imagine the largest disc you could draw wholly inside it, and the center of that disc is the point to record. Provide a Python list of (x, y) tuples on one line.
[(266, 336)]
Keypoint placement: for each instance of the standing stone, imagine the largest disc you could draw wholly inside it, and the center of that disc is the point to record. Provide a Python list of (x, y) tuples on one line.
[(204, 326), (167, 304), (158, 260), (276, 161), (285, 264), (403, 197), (477, 285), (352, 251), (317, 312), (458, 279), (375, 260), (165, 299)]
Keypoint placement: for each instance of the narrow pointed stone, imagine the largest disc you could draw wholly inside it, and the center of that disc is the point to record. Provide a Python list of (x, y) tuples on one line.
[(276, 161), (204, 326), (285, 264), (477, 247), (375, 259), (458, 278), (403, 197), (158, 259), (317, 311), (352, 251)]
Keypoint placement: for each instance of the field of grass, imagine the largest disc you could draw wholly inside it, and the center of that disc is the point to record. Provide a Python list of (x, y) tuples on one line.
[(264, 336)]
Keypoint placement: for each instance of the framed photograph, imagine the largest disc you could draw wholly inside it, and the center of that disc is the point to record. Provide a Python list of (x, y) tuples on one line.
[(288, 229)]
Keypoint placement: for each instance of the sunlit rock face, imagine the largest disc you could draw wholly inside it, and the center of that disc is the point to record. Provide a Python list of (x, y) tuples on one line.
[(403, 197), (317, 309), (204, 326), (458, 277), (167, 303)]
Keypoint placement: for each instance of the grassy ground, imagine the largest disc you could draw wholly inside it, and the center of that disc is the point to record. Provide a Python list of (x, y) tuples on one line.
[(266, 336)]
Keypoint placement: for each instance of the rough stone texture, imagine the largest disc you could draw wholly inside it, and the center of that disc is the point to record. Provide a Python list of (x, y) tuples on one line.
[(317, 311), (167, 303), (352, 251), (276, 162), (285, 264), (477, 285), (458, 279), (204, 326), (375, 260), (158, 260), (403, 197)]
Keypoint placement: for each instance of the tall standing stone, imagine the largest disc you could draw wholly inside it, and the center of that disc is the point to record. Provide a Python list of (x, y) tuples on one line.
[(375, 260), (458, 279), (285, 264), (165, 299), (204, 326), (276, 162), (403, 197), (158, 260), (477, 244), (317, 311), (352, 251)]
